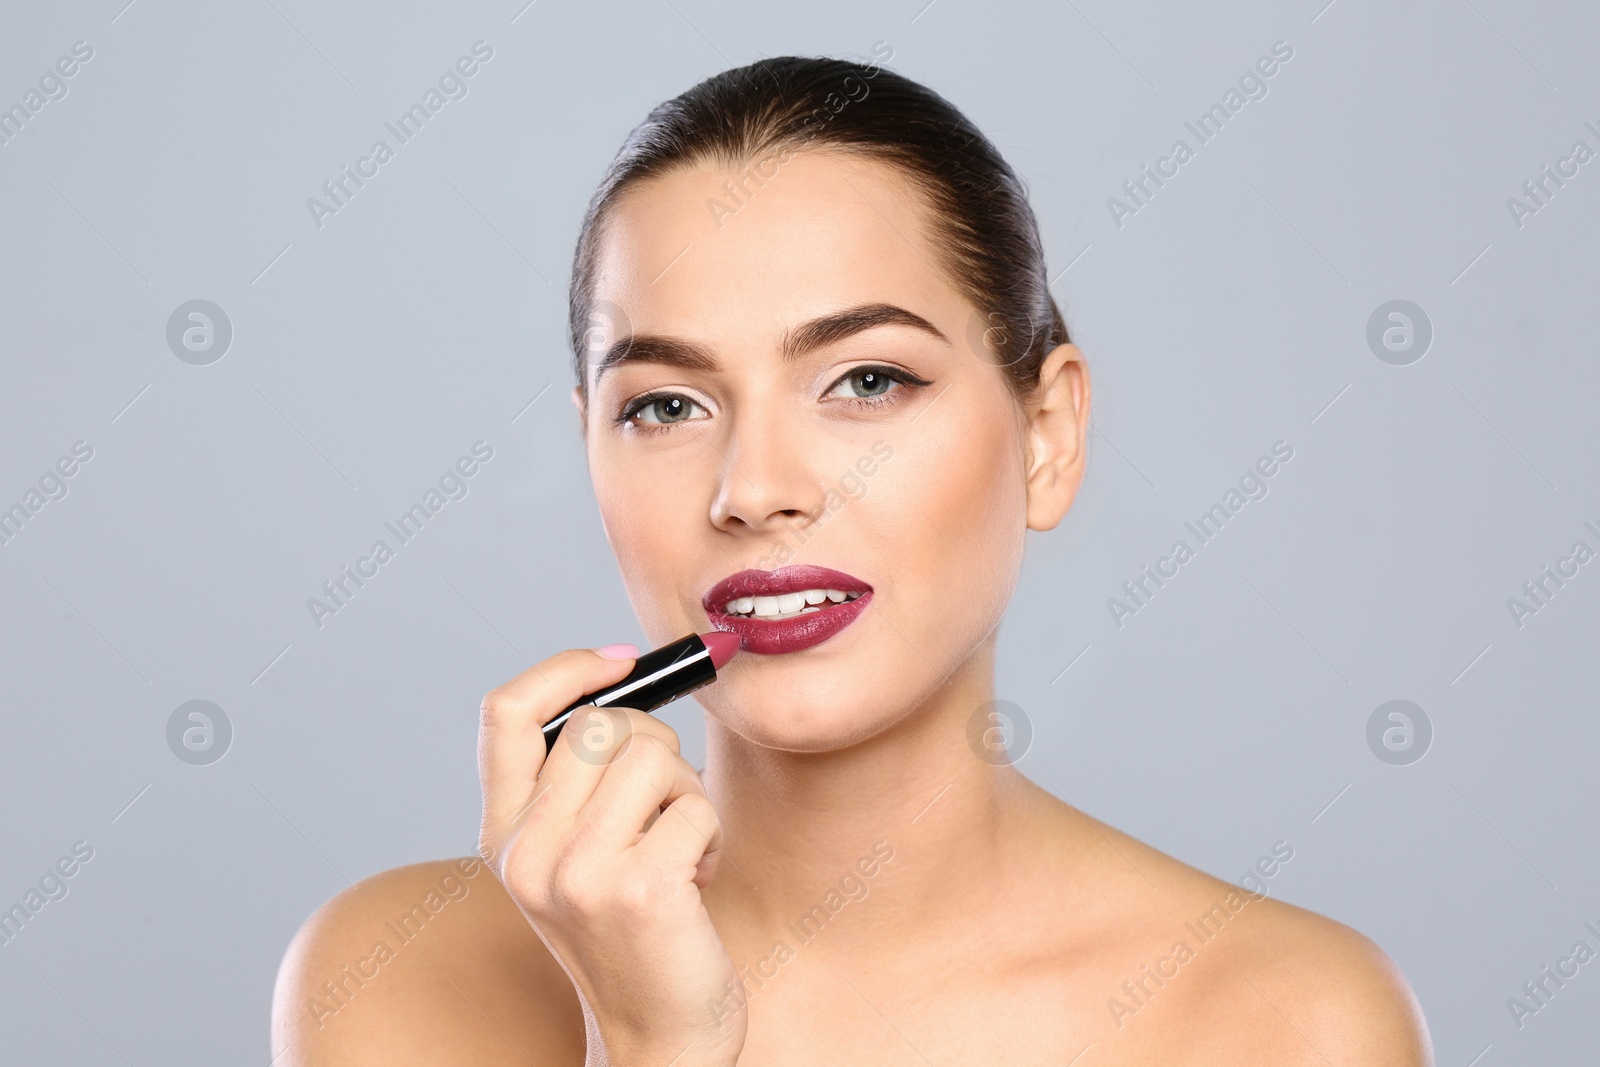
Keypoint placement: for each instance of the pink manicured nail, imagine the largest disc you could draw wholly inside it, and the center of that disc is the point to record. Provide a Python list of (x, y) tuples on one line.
[(618, 652)]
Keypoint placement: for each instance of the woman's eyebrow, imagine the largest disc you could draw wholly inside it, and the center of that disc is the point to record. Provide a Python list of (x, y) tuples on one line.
[(797, 341), (652, 348), (841, 324)]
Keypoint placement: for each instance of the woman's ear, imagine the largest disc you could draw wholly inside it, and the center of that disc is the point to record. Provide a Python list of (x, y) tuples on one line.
[(1057, 436)]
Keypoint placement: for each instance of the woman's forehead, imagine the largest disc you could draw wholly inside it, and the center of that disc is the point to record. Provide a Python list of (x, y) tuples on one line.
[(711, 243)]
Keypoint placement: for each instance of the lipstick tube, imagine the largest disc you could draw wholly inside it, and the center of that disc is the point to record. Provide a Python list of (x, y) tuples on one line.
[(658, 677)]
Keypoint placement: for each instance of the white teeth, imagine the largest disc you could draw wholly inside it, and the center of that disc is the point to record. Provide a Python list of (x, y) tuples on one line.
[(786, 605)]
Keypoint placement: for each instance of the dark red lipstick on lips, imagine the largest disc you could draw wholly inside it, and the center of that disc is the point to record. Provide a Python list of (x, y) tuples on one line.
[(658, 677), (786, 610)]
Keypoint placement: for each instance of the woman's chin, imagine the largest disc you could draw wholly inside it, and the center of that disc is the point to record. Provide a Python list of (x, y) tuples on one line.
[(800, 721)]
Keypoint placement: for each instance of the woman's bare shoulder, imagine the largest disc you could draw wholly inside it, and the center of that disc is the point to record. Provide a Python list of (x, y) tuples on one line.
[(426, 963), (1337, 989), (1288, 979)]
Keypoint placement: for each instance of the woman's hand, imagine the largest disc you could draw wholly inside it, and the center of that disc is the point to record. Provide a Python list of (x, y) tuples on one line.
[(604, 846)]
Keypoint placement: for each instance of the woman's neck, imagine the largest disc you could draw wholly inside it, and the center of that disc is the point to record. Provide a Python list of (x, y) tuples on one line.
[(796, 824)]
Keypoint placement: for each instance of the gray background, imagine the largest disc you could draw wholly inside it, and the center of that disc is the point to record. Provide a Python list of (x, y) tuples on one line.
[(370, 353)]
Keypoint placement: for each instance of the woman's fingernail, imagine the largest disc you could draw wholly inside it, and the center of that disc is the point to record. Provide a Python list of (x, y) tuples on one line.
[(618, 652)]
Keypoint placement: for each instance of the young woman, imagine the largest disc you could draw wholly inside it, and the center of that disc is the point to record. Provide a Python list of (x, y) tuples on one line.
[(815, 341)]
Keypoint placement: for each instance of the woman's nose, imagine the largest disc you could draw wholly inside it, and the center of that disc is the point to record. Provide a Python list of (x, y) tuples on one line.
[(767, 482)]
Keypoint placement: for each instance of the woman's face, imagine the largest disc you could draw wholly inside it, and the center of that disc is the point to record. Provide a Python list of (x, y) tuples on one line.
[(748, 432)]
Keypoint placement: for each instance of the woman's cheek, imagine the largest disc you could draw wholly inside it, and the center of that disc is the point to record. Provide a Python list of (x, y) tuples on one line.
[(977, 501), (643, 519)]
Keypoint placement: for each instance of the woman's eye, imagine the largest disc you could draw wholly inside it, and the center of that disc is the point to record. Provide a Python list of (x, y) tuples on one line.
[(661, 410), (865, 383), (869, 383)]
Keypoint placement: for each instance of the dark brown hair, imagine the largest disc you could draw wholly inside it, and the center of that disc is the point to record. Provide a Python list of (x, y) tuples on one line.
[(985, 234)]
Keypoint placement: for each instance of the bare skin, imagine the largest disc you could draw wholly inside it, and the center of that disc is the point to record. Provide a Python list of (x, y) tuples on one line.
[(634, 909)]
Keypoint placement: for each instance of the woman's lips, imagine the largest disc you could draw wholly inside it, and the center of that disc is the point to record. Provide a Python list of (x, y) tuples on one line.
[(768, 636)]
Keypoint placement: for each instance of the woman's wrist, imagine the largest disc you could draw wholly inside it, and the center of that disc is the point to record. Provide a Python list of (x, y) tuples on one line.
[(629, 1046)]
